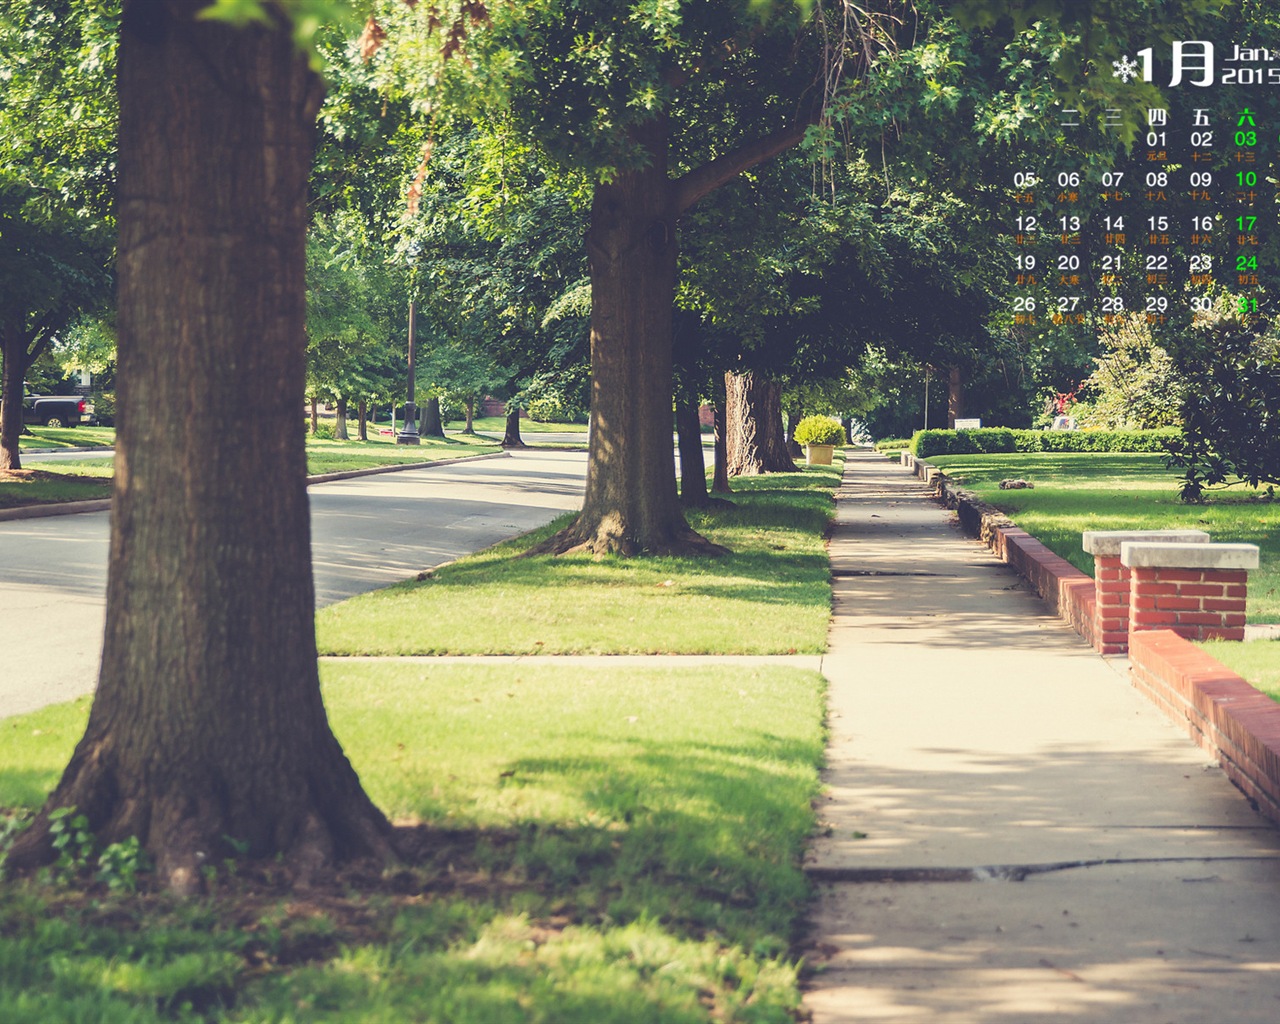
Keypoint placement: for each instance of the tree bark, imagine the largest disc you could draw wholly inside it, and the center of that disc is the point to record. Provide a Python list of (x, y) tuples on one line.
[(720, 472), (340, 424), (631, 505), (693, 467), (756, 441), (362, 431), (777, 454), (14, 344), (208, 722), (794, 416), (955, 397), (470, 406), (511, 436), (315, 416), (430, 424)]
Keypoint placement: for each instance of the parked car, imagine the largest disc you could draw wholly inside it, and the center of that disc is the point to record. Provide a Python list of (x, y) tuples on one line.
[(57, 411)]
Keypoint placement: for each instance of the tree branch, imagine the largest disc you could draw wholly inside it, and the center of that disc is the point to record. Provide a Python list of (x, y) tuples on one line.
[(710, 176)]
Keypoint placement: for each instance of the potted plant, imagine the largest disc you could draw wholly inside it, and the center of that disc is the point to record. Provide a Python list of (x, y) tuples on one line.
[(819, 435)]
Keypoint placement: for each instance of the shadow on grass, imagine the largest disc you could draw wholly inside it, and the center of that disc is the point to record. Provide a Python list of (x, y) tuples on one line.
[(681, 902)]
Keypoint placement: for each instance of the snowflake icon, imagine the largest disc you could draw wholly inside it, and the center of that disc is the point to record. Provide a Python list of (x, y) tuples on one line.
[(1125, 69)]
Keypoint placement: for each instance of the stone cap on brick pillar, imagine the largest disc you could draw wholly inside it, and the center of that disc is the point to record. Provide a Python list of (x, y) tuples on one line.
[(1106, 543), (1152, 554)]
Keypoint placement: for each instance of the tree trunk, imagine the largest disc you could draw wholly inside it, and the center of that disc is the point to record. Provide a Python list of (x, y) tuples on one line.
[(207, 729), (720, 472), (756, 441), (362, 431), (777, 455), (794, 416), (340, 424), (511, 437), (955, 397), (693, 468), (631, 504), (14, 354), (430, 424), (470, 406), (315, 416)]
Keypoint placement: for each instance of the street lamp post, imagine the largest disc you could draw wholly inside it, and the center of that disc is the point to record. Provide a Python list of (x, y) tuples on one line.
[(409, 435)]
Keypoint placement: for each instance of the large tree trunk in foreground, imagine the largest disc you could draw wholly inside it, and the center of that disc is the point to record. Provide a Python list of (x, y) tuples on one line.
[(511, 435), (756, 440), (207, 722), (631, 505)]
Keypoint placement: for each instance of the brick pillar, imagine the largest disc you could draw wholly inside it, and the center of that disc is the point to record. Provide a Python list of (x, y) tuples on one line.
[(1196, 590), (1111, 581)]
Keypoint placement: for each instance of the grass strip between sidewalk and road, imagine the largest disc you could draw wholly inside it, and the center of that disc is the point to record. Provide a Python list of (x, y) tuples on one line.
[(1074, 492), (46, 438), (771, 595), (594, 844), (48, 483), (61, 480)]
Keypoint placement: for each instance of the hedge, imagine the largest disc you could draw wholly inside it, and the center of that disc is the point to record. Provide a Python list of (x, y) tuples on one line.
[(927, 443)]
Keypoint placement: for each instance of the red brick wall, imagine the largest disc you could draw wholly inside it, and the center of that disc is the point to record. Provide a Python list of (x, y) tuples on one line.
[(1236, 724), (1199, 604), (1224, 714)]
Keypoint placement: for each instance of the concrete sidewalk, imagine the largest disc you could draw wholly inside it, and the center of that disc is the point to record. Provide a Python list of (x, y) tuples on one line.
[(1012, 832)]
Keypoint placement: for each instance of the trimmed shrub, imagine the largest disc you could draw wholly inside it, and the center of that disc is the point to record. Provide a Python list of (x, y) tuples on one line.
[(927, 443), (1096, 440), (819, 430), (893, 444)]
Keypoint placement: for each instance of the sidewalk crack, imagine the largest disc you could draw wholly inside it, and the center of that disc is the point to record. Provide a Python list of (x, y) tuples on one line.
[(1003, 872)]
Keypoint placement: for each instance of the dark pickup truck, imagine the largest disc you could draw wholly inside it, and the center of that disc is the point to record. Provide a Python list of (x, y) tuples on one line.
[(57, 410)]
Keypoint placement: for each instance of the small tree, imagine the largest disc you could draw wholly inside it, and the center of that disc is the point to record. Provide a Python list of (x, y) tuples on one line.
[(1230, 410), (1135, 384)]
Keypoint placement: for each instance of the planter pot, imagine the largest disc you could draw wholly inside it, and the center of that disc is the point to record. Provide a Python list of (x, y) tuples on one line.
[(818, 454)]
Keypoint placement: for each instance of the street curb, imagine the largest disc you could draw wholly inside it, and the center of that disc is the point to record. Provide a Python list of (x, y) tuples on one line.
[(63, 508), (63, 451), (70, 508)]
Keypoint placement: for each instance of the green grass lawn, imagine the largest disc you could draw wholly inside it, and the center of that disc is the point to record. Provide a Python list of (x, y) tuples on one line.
[(1075, 492), (772, 595), (498, 425), (81, 479), (594, 845), (42, 483), (1257, 661), (325, 456), (41, 438)]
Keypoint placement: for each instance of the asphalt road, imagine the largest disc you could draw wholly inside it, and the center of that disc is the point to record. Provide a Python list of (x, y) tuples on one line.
[(366, 533)]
